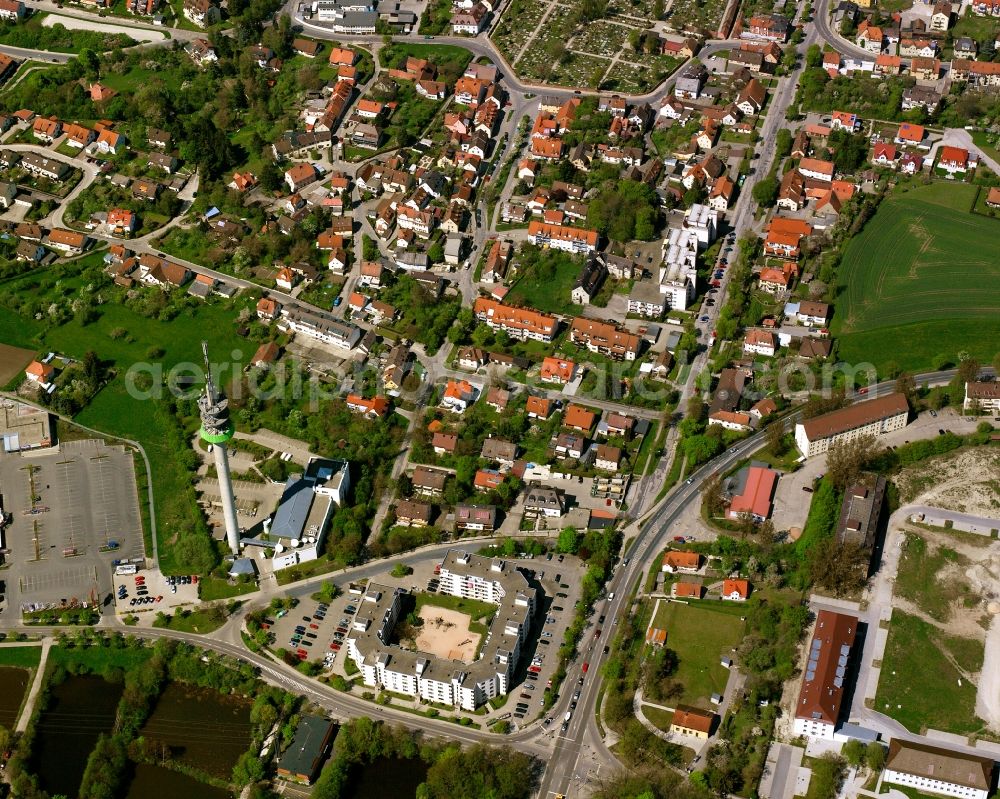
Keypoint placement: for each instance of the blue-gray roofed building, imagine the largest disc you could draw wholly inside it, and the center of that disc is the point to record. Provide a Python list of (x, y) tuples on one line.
[(293, 509)]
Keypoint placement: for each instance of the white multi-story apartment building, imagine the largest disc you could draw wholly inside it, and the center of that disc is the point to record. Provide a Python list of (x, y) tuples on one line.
[(321, 328), (874, 417), (984, 397), (679, 269), (817, 711), (703, 222), (434, 679)]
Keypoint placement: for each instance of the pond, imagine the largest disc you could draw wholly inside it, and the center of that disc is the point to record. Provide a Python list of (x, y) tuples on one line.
[(80, 709), (387, 776), (157, 781), (203, 728), (13, 685)]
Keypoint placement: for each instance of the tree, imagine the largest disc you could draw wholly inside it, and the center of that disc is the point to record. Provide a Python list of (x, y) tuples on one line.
[(568, 542), (854, 752), (775, 434), (875, 756), (766, 192), (841, 568), (401, 570), (845, 460), (907, 386), (713, 496), (814, 56)]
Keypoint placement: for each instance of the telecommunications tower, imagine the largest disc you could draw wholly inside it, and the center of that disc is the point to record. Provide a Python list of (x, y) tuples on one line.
[(217, 430)]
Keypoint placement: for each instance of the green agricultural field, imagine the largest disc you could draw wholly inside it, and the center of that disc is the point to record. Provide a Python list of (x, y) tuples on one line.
[(919, 683), (921, 283), (700, 634)]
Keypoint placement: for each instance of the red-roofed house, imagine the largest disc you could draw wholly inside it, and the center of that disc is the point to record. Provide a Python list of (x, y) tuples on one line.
[(458, 395), (374, 408), (953, 159), (557, 370), (538, 407), (41, 373), (735, 590), (677, 561), (910, 134), (579, 418), (685, 590), (884, 154), (760, 342)]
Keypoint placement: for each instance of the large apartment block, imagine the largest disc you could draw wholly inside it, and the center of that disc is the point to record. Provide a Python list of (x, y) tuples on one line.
[(823, 684), (519, 323), (604, 338), (872, 418), (435, 679)]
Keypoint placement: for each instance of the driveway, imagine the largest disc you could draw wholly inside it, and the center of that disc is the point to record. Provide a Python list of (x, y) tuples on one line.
[(958, 137)]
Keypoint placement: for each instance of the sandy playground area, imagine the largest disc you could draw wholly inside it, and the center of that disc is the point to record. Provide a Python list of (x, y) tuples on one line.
[(445, 633)]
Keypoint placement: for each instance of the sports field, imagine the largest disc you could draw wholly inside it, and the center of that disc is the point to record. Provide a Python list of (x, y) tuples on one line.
[(921, 283)]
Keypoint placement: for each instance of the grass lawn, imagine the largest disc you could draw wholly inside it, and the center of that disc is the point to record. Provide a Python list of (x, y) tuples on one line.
[(917, 578), (660, 718), (451, 61), (700, 633), (986, 142), (195, 621), (25, 657), (98, 659), (919, 686), (921, 280), (545, 280), (212, 588)]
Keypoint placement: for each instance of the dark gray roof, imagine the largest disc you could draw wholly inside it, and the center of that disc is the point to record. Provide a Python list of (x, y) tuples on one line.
[(303, 756)]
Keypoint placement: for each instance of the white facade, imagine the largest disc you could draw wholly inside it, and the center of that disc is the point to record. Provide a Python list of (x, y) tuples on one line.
[(813, 728), (820, 444), (703, 221)]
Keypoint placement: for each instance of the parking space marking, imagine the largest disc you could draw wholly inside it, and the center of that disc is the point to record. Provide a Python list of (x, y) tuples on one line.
[(64, 578)]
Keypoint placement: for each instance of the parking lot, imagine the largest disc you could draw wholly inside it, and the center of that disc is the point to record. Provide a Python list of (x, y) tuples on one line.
[(560, 579), (313, 630), (73, 511), (148, 589)]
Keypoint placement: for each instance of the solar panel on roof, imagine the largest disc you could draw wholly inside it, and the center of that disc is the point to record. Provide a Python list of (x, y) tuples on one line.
[(844, 649), (810, 675)]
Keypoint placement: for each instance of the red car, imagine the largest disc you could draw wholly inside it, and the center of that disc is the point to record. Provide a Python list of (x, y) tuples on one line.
[(335, 647), (313, 626), (585, 667), (862, 391), (679, 538), (534, 669), (301, 652)]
